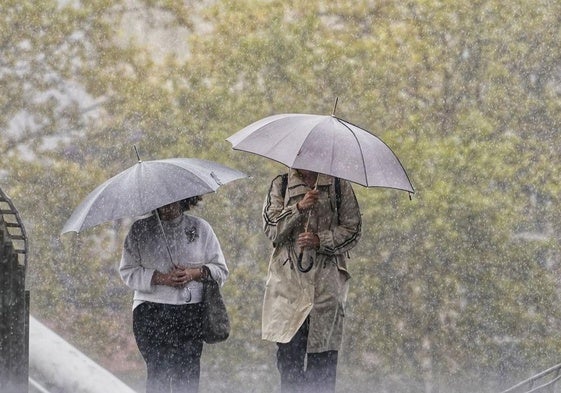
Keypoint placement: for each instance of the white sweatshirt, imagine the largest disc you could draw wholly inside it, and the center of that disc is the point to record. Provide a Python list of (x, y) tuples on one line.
[(192, 243)]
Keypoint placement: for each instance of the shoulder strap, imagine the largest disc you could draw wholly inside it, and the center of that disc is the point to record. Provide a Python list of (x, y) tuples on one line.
[(338, 192), (284, 184)]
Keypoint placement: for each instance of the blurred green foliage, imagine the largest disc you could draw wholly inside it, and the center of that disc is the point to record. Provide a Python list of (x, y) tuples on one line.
[(459, 284)]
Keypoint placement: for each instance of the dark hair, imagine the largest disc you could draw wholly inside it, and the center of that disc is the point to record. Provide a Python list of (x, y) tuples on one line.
[(187, 203)]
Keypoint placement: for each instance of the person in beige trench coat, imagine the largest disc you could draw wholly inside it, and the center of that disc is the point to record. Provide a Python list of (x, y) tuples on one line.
[(303, 312)]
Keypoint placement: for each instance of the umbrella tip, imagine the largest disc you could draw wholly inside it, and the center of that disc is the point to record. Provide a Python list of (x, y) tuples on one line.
[(335, 106), (137, 155)]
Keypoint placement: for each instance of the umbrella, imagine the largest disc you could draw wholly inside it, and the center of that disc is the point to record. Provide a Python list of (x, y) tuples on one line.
[(324, 144), (147, 186)]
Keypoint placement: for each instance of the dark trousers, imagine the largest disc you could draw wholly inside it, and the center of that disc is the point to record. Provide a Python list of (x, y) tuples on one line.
[(169, 339), (303, 372)]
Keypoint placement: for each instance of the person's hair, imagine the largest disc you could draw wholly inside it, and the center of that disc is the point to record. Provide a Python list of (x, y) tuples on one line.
[(187, 203)]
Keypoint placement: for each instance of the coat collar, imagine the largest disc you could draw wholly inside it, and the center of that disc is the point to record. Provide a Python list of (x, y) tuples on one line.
[(296, 185)]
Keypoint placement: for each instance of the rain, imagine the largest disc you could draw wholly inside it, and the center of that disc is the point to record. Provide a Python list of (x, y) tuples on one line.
[(453, 289)]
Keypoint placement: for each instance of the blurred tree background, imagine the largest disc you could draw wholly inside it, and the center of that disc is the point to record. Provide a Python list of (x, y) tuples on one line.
[(455, 290)]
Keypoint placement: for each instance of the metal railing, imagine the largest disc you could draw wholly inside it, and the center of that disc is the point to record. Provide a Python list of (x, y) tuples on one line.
[(546, 381), (14, 301), (14, 227)]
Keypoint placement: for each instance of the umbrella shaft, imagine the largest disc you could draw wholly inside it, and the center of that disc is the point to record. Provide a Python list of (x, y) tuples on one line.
[(165, 238)]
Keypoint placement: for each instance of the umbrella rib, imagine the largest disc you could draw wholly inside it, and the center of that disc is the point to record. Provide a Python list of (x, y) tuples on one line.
[(363, 161), (273, 147), (357, 141)]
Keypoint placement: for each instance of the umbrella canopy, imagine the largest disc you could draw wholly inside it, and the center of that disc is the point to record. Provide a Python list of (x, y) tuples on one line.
[(146, 186), (324, 144)]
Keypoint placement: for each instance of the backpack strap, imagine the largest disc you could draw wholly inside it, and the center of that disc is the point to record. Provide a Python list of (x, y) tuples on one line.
[(338, 192), (284, 184)]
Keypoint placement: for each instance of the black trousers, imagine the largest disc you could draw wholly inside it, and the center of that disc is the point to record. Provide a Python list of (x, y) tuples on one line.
[(303, 372), (169, 339)]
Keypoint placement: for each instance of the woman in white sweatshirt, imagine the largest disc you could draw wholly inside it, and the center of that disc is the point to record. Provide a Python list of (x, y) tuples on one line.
[(167, 308)]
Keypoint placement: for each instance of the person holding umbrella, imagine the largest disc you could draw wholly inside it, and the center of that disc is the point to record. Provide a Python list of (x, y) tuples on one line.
[(165, 259), (313, 220)]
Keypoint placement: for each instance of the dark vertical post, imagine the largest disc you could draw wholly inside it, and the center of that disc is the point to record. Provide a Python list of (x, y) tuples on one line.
[(14, 301)]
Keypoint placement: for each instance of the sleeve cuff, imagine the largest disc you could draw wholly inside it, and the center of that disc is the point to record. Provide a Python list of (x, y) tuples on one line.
[(148, 286), (325, 241)]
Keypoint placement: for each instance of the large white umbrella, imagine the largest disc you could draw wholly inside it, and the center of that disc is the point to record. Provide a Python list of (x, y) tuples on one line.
[(324, 144)]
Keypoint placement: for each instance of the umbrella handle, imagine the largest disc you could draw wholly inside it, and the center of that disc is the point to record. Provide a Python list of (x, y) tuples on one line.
[(301, 267), (301, 256), (310, 211)]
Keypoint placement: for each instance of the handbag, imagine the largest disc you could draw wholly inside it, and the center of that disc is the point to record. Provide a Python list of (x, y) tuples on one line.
[(216, 323)]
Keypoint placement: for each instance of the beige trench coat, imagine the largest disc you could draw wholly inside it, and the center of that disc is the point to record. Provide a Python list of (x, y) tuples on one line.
[(321, 293)]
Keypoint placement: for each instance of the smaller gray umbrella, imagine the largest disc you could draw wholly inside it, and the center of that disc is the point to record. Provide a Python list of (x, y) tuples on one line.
[(324, 144), (147, 186)]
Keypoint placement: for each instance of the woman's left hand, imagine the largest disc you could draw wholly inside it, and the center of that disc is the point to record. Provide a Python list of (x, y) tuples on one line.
[(190, 274)]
